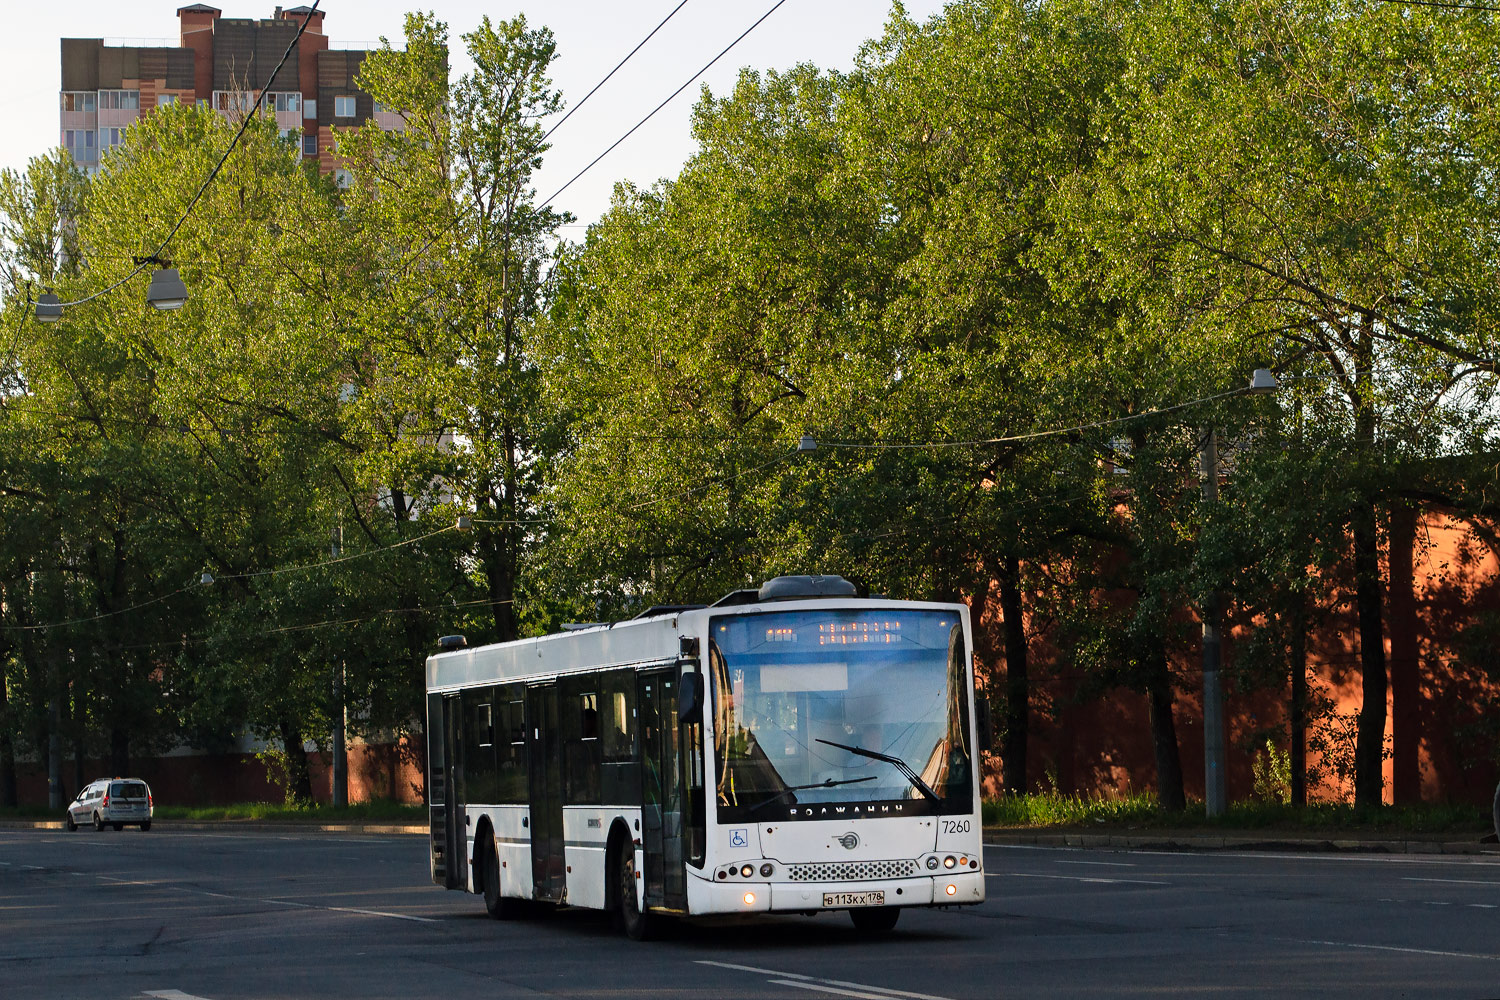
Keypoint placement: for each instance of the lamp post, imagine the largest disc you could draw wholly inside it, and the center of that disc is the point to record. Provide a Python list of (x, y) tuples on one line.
[(1263, 381), (340, 794)]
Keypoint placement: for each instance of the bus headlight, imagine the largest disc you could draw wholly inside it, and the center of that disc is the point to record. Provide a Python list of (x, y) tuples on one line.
[(766, 869), (747, 870), (932, 864), (949, 861), (952, 889), (750, 896)]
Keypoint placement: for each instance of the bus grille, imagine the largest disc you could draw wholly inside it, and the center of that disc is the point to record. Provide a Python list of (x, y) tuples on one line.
[(851, 871)]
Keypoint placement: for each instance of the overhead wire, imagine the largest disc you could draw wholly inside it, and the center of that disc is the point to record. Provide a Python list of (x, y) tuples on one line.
[(211, 581), (1034, 435), (445, 230), (155, 255), (690, 81), (1442, 5), (584, 100)]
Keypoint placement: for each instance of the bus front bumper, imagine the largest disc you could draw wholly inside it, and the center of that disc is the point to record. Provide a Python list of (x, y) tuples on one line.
[(957, 889)]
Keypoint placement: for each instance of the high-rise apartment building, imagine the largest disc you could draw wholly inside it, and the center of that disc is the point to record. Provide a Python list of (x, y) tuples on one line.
[(225, 61)]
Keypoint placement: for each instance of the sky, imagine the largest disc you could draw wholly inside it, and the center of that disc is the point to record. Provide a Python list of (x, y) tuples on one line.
[(592, 36)]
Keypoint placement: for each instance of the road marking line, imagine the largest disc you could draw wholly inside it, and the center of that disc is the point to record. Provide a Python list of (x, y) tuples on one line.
[(172, 995), (828, 989), (1371, 859), (876, 991), (1106, 864), (1076, 878), (1404, 951), (253, 899), (382, 913), (1451, 881)]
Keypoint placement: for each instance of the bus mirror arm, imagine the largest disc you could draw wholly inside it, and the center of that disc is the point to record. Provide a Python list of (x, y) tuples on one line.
[(690, 698)]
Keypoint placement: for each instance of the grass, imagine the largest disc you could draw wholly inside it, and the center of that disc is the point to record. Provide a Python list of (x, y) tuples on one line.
[(378, 810), (1134, 812)]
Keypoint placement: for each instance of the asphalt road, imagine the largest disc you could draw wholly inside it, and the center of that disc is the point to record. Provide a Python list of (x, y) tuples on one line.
[(265, 915)]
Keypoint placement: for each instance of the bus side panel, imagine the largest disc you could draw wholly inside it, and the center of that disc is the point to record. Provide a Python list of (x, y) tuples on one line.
[(586, 837), (510, 826)]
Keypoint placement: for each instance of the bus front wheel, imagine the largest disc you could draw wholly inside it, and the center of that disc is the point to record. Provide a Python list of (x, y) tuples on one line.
[(637, 923), (875, 919)]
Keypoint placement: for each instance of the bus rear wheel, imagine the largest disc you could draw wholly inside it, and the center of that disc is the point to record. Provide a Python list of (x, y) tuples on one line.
[(875, 920), (637, 923)]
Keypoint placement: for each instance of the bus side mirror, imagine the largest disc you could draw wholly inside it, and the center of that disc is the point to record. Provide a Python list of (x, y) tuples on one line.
[(690, 699), (985, 723)]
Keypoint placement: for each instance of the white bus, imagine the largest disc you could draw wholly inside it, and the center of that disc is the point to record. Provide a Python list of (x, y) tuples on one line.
[(793, 749)]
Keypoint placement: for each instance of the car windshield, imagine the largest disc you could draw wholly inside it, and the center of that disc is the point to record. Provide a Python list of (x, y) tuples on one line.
[(867, 708)]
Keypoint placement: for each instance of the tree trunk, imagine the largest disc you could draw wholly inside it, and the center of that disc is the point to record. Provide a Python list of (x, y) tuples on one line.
[(1406, 691), (1164, 734), (1298, 721), (7, 752), (1369, 749), (119, 751), (498, 558), (1017, 681), (299, 777)]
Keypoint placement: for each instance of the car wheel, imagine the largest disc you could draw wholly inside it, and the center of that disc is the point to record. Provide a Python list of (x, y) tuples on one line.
[(875, 919), (98, 822), (637, 923), (70, 822), (145, 826)]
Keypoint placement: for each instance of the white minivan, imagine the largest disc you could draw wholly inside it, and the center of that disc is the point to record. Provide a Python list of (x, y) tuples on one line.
[(115, 801)]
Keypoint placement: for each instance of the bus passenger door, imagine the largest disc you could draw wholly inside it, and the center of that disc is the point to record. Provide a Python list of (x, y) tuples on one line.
[(445, 791), (544, 752), (661, 791)]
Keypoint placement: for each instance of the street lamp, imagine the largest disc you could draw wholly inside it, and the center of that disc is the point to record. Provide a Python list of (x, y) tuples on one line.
[(167, 290), (48, 308)]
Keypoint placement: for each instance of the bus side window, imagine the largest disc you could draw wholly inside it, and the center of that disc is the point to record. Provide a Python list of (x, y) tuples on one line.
[(479, 747), (620, 775), (510, 724), (581, 750)]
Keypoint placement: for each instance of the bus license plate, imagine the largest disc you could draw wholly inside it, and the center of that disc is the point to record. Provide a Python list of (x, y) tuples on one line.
[(873, 898)]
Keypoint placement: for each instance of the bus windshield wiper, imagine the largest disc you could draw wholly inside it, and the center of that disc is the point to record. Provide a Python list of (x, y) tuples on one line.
[(900, 765), (830, 783)]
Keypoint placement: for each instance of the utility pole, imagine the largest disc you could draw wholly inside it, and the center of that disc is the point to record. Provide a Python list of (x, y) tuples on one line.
[(1213, 692)]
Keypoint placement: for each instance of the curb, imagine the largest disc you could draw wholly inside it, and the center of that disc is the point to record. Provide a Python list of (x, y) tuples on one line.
[(259, 826), (1243, 841)]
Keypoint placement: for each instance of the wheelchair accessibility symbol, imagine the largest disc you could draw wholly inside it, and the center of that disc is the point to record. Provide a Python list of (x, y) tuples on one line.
[(739, 838)]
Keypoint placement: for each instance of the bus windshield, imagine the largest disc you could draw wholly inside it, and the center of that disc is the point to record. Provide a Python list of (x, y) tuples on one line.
[(861, 708)]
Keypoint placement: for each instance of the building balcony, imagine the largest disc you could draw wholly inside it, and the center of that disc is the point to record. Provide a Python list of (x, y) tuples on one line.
[(117, 117)]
